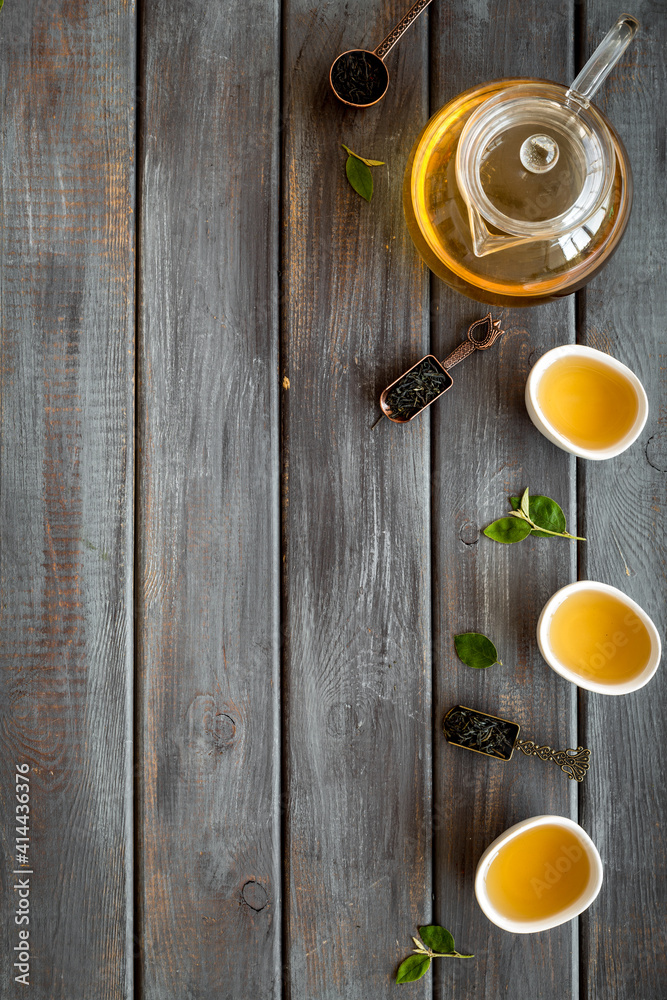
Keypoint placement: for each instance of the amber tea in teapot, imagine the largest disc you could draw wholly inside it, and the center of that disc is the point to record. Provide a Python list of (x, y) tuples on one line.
[(518, 191)]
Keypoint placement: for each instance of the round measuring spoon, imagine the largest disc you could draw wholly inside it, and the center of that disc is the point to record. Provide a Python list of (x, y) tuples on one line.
[(359, 77)]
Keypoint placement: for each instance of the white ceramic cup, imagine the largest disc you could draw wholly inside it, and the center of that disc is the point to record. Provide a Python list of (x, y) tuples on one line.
[(543, 425), (583, 901), (544, 625)]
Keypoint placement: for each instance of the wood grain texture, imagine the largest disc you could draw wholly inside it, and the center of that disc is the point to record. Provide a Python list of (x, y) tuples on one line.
[(381, 555), (355, 522), (66, 465), (208, 642), (624, 945), (485, 449)]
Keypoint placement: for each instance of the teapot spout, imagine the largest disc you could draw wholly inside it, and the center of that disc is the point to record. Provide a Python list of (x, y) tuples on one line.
[(484, 241)]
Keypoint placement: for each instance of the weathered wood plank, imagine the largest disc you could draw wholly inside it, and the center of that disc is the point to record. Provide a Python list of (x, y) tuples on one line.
[(208, 587), (484, 450), (66, 466), (356, 522), (624, 945)]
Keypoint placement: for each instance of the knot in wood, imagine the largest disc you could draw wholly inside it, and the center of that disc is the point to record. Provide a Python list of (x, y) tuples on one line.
[(343, 721), (223, 731), (656, 451), (254, 895), (469, 533)]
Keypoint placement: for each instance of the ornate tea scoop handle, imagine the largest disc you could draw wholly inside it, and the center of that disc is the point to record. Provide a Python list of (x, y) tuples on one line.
[(574, 763), (426, 381), (390, 40), (482, 334)]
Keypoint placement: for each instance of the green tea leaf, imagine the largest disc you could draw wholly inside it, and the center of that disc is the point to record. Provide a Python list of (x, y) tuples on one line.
[(413, 968), (508, 530), (369, 163), (525, 501), (435, 937), (545, 512), (438, 943), (476, 651), (359, 177)]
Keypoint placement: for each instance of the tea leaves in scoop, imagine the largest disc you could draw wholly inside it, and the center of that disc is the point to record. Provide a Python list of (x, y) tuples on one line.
[(417, 388), (359, 77), (478, 731)]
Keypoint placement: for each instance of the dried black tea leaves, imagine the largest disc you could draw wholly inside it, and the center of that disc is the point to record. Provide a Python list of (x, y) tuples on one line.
[(477, 731), (417, 388), (359, 77)]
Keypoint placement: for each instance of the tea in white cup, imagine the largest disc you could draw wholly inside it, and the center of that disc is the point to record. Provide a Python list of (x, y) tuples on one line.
[(586, 402), (538, 874), (597, 637)]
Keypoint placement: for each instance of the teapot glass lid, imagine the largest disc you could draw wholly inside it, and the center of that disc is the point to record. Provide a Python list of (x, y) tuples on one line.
[(535, 166)]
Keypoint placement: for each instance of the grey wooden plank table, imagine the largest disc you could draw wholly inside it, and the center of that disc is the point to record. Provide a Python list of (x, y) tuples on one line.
[(227, 604)]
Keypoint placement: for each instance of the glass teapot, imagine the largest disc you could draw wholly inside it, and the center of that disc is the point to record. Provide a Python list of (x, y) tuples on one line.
[(518, 191)]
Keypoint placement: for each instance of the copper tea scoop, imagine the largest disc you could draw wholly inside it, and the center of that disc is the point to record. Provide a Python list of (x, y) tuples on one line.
[(360, 78), (422, 384), (499, 738)]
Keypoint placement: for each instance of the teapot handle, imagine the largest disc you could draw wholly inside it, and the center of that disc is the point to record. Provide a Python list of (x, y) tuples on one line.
[(603, 60)]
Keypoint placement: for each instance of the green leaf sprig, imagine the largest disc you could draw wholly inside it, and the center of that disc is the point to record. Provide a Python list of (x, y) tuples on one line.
[(437, 943), (358, 173), (531, 515), (476, 650)]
